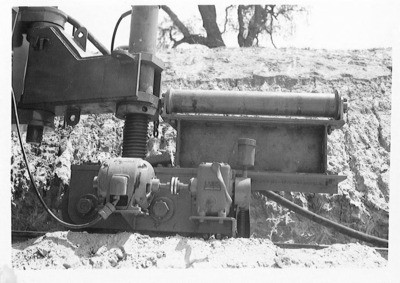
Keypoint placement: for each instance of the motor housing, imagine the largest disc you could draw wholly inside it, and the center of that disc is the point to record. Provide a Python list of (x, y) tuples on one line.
[(127, 181), (213, 189)]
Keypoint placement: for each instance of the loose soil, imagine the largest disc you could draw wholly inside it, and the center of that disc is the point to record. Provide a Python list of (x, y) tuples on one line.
[(77, 250)]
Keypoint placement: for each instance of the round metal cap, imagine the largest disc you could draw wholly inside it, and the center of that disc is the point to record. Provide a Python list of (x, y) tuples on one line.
[(246, 141)]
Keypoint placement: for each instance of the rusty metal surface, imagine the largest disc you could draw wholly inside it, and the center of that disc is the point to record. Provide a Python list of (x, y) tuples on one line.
[(280, 148), (253, 103)]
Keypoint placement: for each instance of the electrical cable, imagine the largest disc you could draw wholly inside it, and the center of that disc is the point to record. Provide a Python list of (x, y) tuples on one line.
[(326, 222), (124, 15), (68, 225)]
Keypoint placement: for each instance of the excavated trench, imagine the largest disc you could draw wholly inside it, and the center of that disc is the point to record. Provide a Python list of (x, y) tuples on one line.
[(360, 150)]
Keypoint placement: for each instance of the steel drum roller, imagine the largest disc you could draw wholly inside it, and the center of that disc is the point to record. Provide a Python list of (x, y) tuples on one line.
[(254, 103)]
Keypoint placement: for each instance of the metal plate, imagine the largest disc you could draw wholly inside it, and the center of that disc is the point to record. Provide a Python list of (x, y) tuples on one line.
[(280, 148)]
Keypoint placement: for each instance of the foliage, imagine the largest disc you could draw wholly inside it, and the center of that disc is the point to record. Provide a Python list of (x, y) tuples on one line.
[(248, 21), (254, 20), (208, 14)]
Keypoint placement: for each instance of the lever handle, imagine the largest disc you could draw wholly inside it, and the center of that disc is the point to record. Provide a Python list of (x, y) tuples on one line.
[(216, 167)]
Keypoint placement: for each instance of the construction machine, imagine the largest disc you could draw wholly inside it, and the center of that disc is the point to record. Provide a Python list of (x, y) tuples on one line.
[(229, 144)]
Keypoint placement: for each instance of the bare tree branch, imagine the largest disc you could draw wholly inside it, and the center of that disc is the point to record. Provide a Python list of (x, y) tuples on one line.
[(271, 22), (270, 33), (241, 25), (226, 17), (170, 35), (209, 17), (253, 20), (177, 22)]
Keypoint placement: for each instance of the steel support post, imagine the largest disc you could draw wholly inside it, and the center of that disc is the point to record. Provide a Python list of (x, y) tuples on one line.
[(142, 39)]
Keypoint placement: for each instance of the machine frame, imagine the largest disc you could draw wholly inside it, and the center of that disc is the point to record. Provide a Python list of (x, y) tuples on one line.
[(229, 144)]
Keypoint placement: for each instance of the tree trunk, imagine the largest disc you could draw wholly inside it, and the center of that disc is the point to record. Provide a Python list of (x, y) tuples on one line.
[(209, 16), (254, 25), (241, 25), (253, 28)]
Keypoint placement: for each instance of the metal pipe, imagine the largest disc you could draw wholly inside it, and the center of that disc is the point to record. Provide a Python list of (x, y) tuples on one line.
[(143, 39), (253, 103)]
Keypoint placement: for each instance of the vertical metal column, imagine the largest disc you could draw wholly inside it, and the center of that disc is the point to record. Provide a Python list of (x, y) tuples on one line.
[(142, 39)]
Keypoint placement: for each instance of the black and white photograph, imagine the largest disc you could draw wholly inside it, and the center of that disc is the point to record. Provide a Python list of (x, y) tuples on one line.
[(194, 142)]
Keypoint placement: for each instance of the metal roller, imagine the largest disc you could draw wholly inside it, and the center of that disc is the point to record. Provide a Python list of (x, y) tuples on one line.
[(254, 103)]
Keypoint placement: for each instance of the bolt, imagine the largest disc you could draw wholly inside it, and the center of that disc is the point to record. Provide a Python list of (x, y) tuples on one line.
[(344, 105), (84, 205), (160, 208)]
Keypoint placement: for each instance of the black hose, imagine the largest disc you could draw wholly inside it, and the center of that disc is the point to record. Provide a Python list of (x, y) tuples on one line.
[(379, 242), (127, 13), (91, 37), (68, 225)]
